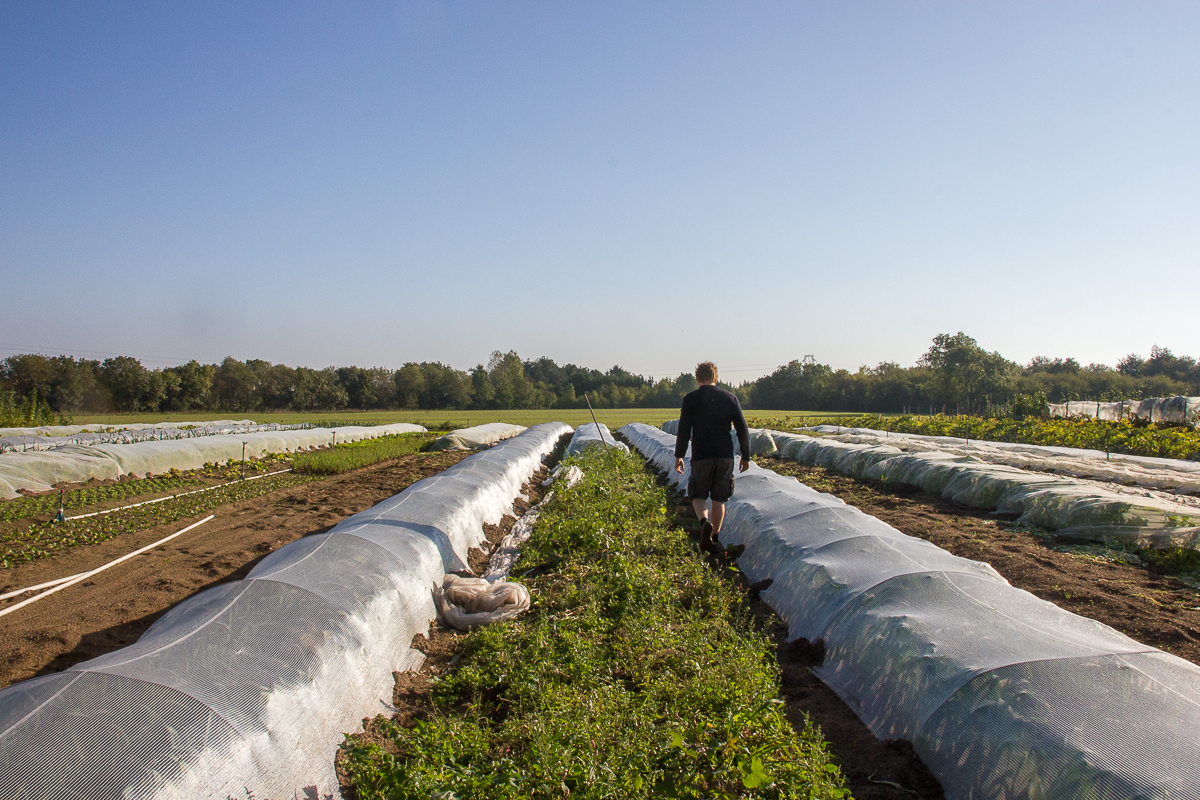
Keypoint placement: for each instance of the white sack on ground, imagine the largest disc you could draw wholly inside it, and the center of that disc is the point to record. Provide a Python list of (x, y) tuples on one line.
[(588, 435), (1004, 696), (468, 603), (572, 475), (1062, 504), (38, 472), (247, 688), (477, 437)]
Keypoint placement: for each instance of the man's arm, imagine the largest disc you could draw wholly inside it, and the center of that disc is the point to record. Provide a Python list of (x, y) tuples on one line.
[(682, 435), (743, 434)]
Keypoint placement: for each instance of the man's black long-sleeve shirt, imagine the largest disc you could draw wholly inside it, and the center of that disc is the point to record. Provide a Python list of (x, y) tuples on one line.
[(705, 418)]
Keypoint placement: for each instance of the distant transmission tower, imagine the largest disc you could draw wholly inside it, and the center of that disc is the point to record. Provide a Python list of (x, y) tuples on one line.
[(809, 359)]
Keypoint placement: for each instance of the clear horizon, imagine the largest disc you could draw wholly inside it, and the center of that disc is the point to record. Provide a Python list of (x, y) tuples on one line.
[(640, 185)]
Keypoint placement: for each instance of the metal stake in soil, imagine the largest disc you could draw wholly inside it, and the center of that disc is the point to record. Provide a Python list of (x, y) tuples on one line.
[(593, 413)]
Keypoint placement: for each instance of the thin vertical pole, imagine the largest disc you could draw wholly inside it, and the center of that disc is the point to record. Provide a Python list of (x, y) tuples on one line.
[(593, 413)]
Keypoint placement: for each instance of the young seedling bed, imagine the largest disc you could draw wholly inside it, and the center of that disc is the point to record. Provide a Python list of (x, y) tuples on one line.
[(33, 533)]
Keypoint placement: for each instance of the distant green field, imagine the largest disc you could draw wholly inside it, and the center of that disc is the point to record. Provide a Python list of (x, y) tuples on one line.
[(612, 417)]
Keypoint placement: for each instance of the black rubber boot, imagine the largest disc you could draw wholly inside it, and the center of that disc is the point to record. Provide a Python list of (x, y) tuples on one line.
[(706, 540)]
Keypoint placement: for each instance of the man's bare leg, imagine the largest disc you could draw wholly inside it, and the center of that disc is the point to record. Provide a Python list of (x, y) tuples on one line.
[(701, 509), (717, 517)]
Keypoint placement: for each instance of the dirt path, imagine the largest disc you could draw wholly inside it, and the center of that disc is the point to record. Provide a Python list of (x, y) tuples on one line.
[(114, 609), (1154, 609)]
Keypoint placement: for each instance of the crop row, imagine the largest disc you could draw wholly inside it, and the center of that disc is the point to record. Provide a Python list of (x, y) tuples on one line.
[(636, 675), (47, 504), (41, 539), (352, 455)]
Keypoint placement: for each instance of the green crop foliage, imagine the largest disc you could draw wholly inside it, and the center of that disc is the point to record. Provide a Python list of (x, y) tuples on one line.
[(44, 538), (47, 504), (637, 674), (1132, 438), (352, 455), (1181, 562)]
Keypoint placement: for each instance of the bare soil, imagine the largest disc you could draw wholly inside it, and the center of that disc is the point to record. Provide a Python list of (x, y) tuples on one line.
[(116, 607), (1153, 608)]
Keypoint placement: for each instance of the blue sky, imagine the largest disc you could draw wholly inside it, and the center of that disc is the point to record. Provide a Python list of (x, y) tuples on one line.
[(643, 184)]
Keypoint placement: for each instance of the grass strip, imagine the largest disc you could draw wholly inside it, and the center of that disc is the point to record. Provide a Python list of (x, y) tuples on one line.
[(41, 539), (352, 455), (638, 673)]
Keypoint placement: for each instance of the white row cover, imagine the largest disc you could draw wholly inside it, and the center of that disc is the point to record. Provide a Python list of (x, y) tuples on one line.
[(1003, 695), (145, 433), (762, 441), (588, 435), (476, 437), (1179, 410), (96, 427), (245, 690), (1065, 505), (1168, 474), (39, 471)]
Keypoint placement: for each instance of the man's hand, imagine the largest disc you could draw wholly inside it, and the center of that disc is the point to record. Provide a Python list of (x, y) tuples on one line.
[(679, 465), (745, 465)]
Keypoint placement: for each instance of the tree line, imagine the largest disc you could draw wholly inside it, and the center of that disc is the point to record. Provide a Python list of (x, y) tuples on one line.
[(65, 385), (955, 374)]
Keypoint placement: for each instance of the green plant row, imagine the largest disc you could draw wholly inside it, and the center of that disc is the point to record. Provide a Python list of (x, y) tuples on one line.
[(44, 538), (1133, 438), (352, 455), (28, 412), (47, 504), (637, 674)]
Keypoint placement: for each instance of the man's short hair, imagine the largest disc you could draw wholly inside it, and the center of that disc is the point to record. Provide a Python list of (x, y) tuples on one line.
[(706, 372)]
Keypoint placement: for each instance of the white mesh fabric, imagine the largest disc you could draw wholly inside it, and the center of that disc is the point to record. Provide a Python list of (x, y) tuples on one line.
[(1003, 695), (39, 471), (762, 441), (588, 435), (476, 437), (1054, 502), (249, 686), (1179, 410), (1150, 471)]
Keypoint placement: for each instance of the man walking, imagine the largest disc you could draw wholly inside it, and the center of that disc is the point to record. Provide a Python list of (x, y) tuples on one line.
[(705, 418)]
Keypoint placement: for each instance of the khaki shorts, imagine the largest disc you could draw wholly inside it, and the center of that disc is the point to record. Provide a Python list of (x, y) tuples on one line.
[(711, 477)]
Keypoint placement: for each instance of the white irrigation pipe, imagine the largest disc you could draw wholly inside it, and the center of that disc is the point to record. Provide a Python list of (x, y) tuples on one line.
[(122, 508), (39, 586), (85, 575), (174, 496)]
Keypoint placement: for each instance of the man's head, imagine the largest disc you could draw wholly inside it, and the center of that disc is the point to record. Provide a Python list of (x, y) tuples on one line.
[(706, 372)]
